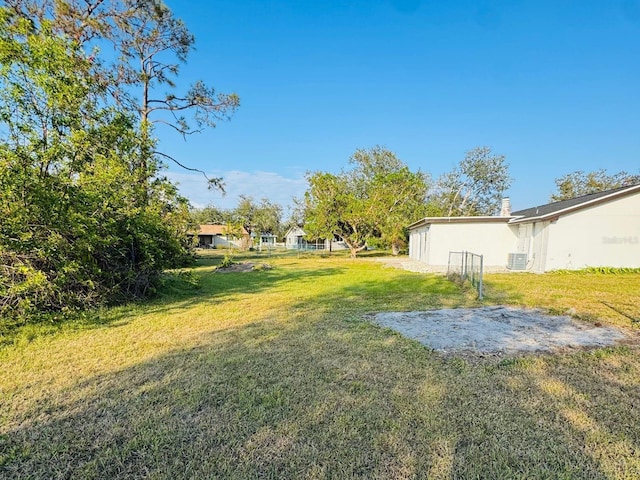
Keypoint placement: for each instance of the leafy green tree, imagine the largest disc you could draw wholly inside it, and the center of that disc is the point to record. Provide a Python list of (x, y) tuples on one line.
[(395, 195), (209, 215), (79, 227), (268, 217), (152, 44), (146, 33), (580, 183), (378, 197), (474, 187), (333, 210), (263, 217), (244, 214)]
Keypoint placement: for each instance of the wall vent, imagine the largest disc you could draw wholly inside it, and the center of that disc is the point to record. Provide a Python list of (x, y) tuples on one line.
[(517, 261)]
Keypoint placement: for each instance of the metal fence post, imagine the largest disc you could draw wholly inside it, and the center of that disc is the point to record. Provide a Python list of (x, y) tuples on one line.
[(464, 264), (471, 267), (480, 280)]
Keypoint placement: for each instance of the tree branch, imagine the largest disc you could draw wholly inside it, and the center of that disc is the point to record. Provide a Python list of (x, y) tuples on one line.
[(212, 182)]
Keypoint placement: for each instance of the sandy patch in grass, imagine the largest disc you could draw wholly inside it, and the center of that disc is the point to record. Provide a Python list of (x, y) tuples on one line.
[(497, 330)]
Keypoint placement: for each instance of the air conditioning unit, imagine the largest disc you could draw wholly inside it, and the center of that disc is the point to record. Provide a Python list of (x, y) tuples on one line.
[(517, 261)]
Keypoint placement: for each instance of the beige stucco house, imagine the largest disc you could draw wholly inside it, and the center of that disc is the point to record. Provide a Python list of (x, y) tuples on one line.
[(597, 230), (222, 236)]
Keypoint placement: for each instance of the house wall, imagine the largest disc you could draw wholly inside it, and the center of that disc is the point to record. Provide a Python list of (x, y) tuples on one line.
[(432, 243), (294, 241), (606, 235), (221, 241), (418, 249), (533, 239)]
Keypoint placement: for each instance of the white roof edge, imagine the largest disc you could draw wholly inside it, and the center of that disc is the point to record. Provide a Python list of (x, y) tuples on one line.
[(473, 219), (521, 219)]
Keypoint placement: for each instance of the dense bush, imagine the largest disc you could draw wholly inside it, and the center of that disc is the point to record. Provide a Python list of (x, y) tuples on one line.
[(86, 217), (92, 236)]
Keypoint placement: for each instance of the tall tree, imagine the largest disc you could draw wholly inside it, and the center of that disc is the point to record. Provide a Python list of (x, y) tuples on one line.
[(396, 196), (152, 44), (146, 34), (79, 227), (474, 187), (244, 213), (378, 197), (580, 183), (268, 217), (263, 217), (332, 210), (74, 232)]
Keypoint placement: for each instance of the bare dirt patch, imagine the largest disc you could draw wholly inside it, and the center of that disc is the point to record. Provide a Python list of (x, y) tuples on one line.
[(498, 330)]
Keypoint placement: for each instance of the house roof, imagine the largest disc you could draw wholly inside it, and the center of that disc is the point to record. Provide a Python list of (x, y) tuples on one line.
[(295, 231), (565, 206), (541, 212), (216, 229), (470, 219)]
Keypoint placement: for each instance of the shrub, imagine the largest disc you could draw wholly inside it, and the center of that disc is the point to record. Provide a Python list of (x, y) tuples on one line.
[(227, 261)]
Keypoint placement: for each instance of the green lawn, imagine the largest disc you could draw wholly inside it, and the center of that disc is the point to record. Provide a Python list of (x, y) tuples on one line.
[(278, 374)]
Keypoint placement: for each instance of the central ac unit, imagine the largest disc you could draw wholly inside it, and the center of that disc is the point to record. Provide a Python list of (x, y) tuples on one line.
[(517, 261)]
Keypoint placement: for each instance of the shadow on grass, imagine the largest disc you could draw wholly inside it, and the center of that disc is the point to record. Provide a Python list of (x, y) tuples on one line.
[(177, 294), (325, 286), (214, 257), (406, 292), (322, 398)]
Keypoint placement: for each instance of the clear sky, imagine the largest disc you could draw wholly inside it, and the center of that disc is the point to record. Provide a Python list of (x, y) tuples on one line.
[(552, 85)]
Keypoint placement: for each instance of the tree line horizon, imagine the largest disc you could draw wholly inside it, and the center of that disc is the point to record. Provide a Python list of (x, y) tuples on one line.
[(378, 197)]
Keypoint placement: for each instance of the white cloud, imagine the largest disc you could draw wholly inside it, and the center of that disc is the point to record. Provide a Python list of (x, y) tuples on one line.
[(257, 184)]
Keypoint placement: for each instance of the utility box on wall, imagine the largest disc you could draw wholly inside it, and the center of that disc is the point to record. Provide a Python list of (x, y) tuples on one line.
[(517, 261)]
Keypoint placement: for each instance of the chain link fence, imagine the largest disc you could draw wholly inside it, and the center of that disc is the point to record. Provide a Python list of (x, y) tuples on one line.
[(464, 266)]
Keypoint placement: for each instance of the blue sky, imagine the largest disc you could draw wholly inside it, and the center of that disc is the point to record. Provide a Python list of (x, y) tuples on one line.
[(552, 85)]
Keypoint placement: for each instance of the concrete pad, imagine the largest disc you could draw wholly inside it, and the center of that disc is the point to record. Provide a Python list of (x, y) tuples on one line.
[(497, 330)]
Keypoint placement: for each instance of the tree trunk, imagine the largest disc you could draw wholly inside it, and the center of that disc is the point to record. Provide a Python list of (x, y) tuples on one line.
[(395, 247), (354, 248)]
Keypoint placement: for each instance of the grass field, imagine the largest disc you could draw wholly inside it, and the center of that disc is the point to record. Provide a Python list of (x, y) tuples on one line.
[(278, 374)]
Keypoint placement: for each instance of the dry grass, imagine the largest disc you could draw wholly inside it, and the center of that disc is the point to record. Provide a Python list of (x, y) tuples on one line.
[(277, 374)]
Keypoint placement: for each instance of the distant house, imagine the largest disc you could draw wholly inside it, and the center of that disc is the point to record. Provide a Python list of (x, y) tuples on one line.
[(295, 239), (597, 230), (221, 236), (263, 240)]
